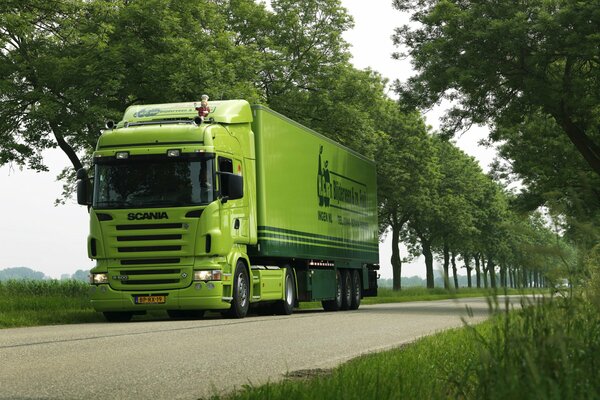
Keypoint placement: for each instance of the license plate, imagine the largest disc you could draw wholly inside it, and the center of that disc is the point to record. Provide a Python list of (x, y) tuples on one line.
[(150, 299)]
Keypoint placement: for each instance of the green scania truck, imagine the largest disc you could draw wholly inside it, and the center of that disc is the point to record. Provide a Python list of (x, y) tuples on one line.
[(242, 207)]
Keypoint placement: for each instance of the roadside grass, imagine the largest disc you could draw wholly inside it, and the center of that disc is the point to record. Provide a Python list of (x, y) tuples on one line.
[(31, 303), (547, 350)]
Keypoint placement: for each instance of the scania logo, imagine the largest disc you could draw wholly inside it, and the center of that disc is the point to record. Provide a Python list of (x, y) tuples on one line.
[(147, 215)]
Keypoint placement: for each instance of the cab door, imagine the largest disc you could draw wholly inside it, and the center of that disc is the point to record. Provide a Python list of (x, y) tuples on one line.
[(234, 212)]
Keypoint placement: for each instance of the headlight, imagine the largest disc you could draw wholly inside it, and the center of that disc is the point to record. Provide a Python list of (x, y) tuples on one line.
[(214, 275), (97, 279)]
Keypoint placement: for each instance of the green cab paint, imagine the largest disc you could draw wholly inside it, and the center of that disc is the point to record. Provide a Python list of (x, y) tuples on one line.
[(238, 209)]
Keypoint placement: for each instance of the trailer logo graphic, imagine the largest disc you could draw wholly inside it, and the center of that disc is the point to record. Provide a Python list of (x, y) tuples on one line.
[(342, 193), (323, 182)]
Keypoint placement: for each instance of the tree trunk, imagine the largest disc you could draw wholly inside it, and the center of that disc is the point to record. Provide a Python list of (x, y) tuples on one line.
[(491, 267), (446, 265), (485, 272), (396, 260), (454, 271), (468, 268), (477, 271), (511, 274), (583, 143), (503, 279), (426, 245), (66, 147)]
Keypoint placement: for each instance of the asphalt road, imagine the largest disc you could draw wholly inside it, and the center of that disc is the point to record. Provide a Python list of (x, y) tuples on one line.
[(193, 359)]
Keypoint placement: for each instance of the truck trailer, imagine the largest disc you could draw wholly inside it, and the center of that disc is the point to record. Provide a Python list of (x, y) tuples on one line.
[(239, 207)]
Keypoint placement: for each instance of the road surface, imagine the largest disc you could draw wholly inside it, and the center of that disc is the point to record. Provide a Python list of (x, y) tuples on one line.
[(193, 359)]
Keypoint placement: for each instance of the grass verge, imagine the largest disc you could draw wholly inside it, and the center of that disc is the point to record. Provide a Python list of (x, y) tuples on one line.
[(548, 350), (30, 303)]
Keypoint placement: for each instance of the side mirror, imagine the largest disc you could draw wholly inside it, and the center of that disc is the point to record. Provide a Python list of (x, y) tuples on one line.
[(84, 188), (231, 185)]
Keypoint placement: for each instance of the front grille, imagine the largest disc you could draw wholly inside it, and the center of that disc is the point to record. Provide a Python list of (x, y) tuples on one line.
[(151, 256), (150, 277), (138, 249), (130, 272), (146, 261), (150, 282), (148, 237)]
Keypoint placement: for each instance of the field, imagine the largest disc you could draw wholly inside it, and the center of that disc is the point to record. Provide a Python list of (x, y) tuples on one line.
[(29, 303)]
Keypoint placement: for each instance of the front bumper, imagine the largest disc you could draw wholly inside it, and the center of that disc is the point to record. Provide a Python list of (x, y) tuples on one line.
[(198, 296)]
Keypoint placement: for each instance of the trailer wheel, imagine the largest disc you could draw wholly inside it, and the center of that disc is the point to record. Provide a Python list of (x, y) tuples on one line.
[(346, 289), (335, 304), (118, 316), (241, 292), (356, 290), (286, 306)]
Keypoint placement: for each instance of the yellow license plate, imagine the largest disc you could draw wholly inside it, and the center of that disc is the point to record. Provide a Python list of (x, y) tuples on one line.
[(150, 299)]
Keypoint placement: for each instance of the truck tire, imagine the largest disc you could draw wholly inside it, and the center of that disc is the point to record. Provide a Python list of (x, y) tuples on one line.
[(118, 316), (356, 290), (241, 292), (335, 304), (286, 306), (346, 289)]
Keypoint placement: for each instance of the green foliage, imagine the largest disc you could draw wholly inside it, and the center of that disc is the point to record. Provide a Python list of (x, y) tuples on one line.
[(552, 173), (503, 61), (546, 351)]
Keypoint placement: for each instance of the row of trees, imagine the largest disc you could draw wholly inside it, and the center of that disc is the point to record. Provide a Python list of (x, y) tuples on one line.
[(67, 66), (437, 200), (531, 71)]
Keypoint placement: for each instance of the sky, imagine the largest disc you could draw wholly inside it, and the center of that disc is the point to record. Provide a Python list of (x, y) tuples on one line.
[(36, 234)]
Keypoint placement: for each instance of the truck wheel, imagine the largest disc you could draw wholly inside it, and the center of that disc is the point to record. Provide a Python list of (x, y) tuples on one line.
[(356, 290), (286, 306), (118, 316), (335, 304), (241, 292), (346, 289), (185, 314)]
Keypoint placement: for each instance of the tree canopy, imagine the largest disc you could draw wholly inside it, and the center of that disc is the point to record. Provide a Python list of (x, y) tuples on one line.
[(505, 60)]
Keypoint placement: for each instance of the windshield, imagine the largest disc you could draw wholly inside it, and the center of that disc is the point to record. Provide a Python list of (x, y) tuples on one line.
[(153, 182)]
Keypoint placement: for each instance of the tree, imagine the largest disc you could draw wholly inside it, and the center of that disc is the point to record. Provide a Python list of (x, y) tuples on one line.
[(460, 188), (67, 66), (537, 154), (406, 171), (502, 61), (20, 273)]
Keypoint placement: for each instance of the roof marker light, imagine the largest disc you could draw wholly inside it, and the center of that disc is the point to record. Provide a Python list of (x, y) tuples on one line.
[(122, 155), (173, 153)]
